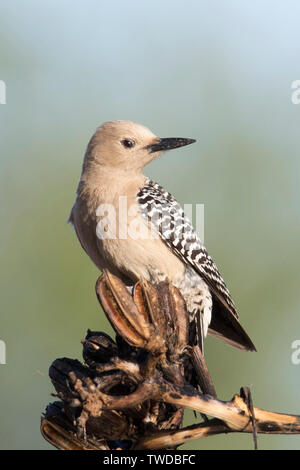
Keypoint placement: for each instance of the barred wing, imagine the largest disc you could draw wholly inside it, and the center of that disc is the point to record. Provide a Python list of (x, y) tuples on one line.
[(166, 214)]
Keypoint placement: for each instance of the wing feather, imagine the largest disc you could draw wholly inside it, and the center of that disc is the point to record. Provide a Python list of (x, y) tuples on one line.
[(175, 229)]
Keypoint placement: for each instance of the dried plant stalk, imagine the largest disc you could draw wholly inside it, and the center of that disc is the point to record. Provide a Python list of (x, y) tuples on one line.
[(132, 392)]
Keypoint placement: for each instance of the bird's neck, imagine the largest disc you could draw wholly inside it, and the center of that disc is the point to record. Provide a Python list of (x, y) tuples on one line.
[(106, 184)]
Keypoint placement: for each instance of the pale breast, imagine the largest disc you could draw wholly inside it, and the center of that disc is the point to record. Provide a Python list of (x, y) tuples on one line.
[(144, 257)]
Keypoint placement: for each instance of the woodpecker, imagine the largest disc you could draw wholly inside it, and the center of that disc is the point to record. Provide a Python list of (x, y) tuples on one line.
[(159, 241)]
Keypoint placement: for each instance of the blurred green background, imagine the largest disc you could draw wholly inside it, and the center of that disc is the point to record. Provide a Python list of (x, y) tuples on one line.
[(218, 71)]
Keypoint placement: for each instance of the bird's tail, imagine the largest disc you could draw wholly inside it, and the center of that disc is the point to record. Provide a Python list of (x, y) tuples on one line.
[(197, 373), (204, 379)]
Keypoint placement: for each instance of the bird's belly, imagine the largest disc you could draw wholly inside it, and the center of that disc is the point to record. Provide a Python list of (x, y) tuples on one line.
[(150, 259), (153, 260)]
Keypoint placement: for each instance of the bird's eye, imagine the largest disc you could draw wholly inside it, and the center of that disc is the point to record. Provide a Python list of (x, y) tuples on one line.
[(128, 143)]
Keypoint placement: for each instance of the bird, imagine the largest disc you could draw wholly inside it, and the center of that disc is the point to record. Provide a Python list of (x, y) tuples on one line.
[(131, 226)]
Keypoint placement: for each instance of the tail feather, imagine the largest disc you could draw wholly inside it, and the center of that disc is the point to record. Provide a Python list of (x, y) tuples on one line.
[(200, 331), (196, 371), (225, 326)]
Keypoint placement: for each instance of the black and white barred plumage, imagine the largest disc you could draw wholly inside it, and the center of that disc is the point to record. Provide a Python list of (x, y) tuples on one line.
[(165, 213)]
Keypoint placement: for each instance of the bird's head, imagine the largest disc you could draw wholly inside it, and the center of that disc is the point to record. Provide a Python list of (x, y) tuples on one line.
[(125, 145)]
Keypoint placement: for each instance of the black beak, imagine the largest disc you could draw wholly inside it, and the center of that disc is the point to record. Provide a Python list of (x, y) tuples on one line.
[(169, 143)]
